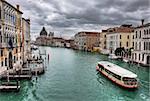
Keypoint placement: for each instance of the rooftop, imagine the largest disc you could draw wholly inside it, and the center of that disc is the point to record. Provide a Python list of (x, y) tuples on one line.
[(12, 6), (121, 29), (144, 25)]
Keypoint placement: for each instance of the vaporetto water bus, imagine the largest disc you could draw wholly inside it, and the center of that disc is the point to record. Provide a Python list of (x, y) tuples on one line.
[(117, 74)]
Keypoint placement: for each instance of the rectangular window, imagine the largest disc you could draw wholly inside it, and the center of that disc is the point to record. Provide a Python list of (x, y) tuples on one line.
[(143, 57), (135, 56), (120, 44), (14, 59), (140, 35), (128, 37), (146, 45), (1, 52), (5, 61), (120, 36), (2, 63), (136, 35), (127, 44)]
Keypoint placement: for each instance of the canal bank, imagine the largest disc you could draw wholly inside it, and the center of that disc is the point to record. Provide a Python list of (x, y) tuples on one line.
[(71, 76)]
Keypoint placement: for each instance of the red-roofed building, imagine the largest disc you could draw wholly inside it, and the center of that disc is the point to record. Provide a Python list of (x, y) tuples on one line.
[(87, 40)]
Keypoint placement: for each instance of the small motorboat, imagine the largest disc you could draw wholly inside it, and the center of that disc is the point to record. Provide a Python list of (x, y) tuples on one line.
[(125, 60), (112, 56)]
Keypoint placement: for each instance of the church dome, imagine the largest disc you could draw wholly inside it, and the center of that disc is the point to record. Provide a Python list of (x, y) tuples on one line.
[(43, 32)]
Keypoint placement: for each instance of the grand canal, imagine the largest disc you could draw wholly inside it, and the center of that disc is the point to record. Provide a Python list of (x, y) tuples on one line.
[(71, 76)]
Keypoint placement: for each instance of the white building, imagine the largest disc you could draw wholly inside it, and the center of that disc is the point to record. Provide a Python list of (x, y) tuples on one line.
[(119, 37), (141, 52), (87, 41), (80, 41), (112, 42)]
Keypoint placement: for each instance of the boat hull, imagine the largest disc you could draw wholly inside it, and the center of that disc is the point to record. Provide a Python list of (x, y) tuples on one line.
[(115, 81)]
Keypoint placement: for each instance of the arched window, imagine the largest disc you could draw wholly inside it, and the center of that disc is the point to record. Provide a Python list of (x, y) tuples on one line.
[(139, 45), (144, 46), (136, 46), (140, 35)]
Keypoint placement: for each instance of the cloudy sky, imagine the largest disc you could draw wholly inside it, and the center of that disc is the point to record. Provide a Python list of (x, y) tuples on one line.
[(67, 17)]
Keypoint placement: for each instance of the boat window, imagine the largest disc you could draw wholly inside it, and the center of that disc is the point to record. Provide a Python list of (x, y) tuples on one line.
[(100, 66), (113, 74), (130, 81), (107, 71)]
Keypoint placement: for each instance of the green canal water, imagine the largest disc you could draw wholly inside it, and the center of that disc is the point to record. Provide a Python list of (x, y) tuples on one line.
[(71, 76)]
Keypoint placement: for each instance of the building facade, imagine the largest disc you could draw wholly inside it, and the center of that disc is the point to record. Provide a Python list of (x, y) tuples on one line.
[(103, 42), (141, 53), (119, 37), (69, 43), (87, 40), (26, 38), (10, 34), (44, 39)]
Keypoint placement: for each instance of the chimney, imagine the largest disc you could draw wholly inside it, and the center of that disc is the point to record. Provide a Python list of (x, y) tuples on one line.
[(142, 22), (17, 7)]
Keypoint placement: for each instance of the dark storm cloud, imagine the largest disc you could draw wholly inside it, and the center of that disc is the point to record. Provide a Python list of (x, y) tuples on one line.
[(73, 14)]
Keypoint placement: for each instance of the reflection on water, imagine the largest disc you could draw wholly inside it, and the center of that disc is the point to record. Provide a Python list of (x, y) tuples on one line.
[(71, 76)]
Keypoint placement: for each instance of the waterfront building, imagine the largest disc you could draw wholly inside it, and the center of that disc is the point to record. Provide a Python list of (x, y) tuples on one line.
[(10, 34), (119, 37), (87, 40), (58, 42), (26, 38), (141, 53), (69, 43), (45, 39), (102, 44), (42, 39)]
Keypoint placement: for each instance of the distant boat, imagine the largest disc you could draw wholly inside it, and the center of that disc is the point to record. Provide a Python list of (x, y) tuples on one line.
[(33, 47), (118, 75), (125, 60), (112, 56)]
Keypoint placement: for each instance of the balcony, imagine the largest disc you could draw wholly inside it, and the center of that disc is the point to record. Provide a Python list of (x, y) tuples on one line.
[(146, 36), (6, 45), (146, 51)]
